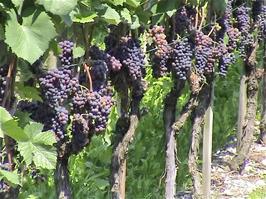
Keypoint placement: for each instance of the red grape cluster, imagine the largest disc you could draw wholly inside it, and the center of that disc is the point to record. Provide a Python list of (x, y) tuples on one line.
[(162, 53)]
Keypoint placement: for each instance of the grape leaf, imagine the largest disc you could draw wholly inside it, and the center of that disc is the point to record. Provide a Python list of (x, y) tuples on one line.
[(17, 3), (39, 147), (111, 16), (78, 51), (135, 23), (133, 3), (58, 7), (125, 14), (30, 39), (27, 92), (11, 177), (4, 116), (12, 129), (117, 2)]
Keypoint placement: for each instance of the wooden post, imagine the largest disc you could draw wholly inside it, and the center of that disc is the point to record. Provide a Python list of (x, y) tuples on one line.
[(242, 107), (207, 150)]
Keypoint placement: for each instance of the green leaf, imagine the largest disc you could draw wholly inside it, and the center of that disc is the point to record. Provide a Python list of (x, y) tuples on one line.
[(111, 16), (30, 39), (39, 148), (25, 149), (125, 14), (28, 92), (46, 138), (84, 19), (33, 129), (117, 2), (4, 116), (78, 51), (23, 118), (11, 177), (135, 23), (133, 3), (12, 129), (24, 72), (58, 7), (17, 3), (44, 158)]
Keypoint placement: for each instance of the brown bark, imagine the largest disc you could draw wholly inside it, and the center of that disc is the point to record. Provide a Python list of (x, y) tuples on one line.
[(125, 131), (61, 178), (198, 113), (9, 103), (262, 137), (245, 139), (118, 164), (170, 159)]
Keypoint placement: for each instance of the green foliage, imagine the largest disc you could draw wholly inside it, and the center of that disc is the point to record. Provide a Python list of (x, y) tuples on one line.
[(30, 39), (39, 147), (33, 144), (11, 177), (58, 7), (258, 193)]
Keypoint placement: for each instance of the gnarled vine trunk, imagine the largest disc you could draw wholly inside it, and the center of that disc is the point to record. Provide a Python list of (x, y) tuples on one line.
[(198, 114), (262, 138), (246, 135), (170, 153), (61, 177)]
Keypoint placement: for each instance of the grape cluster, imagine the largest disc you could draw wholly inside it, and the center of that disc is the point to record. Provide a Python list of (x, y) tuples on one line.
[(3, 74), (99, 72), (162, 53), (243, 25), (259, 17), (182, 58), (182, 20), (113, 63), (130, 55), (224, 62), (66, 57), (203, 51), (58, 86), (59, 121), (91, 109)]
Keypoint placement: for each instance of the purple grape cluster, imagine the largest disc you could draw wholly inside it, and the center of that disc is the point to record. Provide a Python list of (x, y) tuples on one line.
[(259, 17), (59, 122), (161, 55), (57, 88), (66, 57), (3, 74), (203, 51), (182, 20), (128, 52), (92, 108), (132, 58), (182, 58), (99, 72), (57, 85), (113, 63), (243, 25)]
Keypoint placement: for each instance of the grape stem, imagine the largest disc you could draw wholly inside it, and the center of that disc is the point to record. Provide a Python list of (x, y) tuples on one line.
[(89, 76), (202, 18)]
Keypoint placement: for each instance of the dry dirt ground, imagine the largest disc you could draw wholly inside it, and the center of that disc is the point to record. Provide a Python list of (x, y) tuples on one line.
[(226, 184)]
